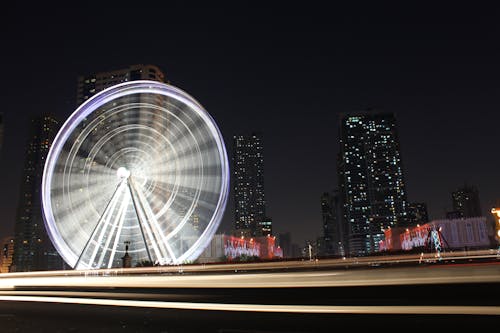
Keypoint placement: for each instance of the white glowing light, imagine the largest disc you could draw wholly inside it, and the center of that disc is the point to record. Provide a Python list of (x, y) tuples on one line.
[(137, 163), (122, 173)]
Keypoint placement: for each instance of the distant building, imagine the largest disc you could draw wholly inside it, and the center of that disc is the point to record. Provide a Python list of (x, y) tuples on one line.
[(458, 234), (7, 254), (371, 179), (232, 248), (33, 249), (248, 185), (265, 227), (465, 201), (417, 213), (296, 251), (90, 84), (331, 243), (285, 241), (454, 214)]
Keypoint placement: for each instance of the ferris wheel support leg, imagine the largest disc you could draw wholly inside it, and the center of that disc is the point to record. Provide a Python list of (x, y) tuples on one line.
[(145, 222), (107, 221), (111, 235), (99, 222), (140, 224), (123, 210), (154, 226)]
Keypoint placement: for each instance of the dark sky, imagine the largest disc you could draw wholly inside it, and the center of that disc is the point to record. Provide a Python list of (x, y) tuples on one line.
[(288, 71)]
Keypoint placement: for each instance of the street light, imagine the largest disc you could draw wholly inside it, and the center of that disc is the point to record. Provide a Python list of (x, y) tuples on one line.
[(496, 213)]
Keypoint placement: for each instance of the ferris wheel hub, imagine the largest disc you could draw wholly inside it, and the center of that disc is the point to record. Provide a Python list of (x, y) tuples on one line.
[(122, 173)]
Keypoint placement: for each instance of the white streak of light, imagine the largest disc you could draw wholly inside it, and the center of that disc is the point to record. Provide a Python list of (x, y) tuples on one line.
[(155, 226), (104, 227), (123, 211), (332, 309), (142, 217)]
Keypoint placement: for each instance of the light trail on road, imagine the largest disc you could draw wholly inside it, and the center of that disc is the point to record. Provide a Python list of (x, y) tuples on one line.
[(313, 291), (317, 309), (357, 277)]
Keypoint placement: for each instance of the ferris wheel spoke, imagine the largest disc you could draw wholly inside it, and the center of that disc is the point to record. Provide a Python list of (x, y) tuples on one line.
[(106, 224), (111, 234), (154, 225), (98, 224), (142, 221)]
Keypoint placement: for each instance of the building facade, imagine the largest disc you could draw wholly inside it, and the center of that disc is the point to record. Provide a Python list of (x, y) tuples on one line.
[(332, 240), (371, 179), (417, 213), (231, 248), (90, 84), (7, 254), (454, 234), (285, 241), (465, 201), (33, 249), (248, 186)]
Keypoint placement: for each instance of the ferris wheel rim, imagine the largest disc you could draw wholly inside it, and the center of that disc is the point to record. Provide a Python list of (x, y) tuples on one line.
[(91, 105)]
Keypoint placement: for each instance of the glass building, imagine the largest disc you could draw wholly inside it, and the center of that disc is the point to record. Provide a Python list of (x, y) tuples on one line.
[(33, 249), (248, 185), (371, 179)]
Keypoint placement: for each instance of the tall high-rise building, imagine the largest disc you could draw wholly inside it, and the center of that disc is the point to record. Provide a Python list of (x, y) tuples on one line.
[(33, 249), (371, 179), (89, 85), (332, 241), (465, 201), (248, 186), (7, 254)]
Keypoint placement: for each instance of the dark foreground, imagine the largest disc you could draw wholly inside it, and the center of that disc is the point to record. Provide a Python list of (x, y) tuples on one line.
[(56, 317), (417, 298), (17, 317)]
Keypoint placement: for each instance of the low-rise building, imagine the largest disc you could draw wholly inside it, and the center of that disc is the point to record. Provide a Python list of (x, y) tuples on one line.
[(227, 248), (459, 233)]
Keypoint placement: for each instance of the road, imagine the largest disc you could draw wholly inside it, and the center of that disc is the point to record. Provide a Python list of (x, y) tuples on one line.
[(310, 296)]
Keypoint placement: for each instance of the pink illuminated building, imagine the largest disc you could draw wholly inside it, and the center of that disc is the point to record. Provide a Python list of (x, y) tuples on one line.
[(455, 234), (225, 247)]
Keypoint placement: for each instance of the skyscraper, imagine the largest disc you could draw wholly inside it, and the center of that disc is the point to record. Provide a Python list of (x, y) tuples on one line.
[(417, 213), (465, 201), (248, 185), (370, 178), (33, 249), (89, 85), (332, 241)]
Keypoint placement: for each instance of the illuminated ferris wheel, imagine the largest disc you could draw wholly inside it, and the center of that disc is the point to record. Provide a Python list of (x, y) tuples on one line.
[(139, 165)]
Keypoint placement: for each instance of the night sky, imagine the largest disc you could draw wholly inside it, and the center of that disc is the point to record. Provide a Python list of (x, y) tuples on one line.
[(287, 71)]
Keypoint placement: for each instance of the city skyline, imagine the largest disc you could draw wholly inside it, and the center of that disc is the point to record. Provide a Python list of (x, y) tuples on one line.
[(371, 179), (438, 78)]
